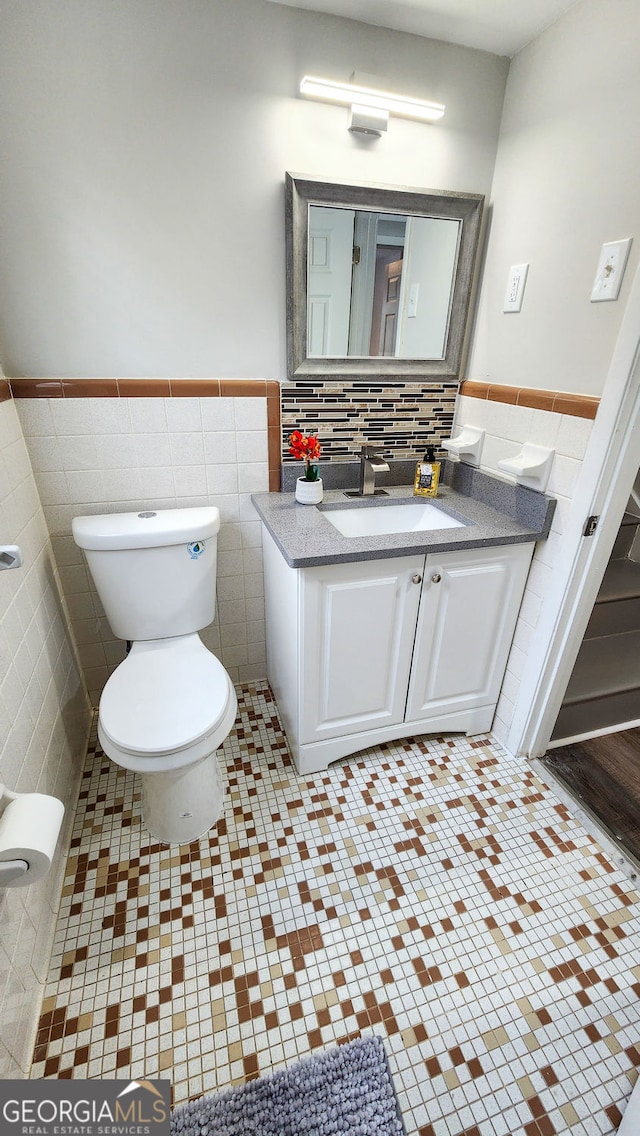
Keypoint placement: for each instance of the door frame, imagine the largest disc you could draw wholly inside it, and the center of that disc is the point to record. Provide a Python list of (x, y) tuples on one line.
[(609, 469)]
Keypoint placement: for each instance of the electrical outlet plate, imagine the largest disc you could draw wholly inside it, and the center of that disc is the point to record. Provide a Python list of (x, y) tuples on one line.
[(610, 270), (515, 288)]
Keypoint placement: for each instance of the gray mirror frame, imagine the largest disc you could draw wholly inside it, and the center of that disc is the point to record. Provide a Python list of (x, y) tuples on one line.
[(300, 192)]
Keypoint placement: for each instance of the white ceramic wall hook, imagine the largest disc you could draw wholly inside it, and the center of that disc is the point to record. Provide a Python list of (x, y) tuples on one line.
[(466, 445), (531, 467)]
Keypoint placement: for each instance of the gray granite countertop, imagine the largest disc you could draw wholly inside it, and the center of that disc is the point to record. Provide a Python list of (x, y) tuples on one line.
[(493, 512)]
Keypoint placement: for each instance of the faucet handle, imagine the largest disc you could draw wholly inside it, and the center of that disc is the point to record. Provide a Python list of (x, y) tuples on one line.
[(370, 451)]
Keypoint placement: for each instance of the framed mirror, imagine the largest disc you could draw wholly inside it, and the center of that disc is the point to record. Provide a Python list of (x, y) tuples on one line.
[(379, 279)]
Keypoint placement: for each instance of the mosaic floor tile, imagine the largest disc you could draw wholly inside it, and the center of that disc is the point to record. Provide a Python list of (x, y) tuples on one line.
[(432, 891)]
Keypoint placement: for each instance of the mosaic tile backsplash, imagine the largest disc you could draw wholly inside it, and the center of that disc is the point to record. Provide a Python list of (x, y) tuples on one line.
[(400, 417), (433, 891)]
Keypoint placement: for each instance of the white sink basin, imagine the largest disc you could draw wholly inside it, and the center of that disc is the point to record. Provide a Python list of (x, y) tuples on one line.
[(378, 520)]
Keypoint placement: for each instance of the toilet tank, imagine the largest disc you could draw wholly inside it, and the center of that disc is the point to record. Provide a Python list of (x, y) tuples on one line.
[(155, 571)]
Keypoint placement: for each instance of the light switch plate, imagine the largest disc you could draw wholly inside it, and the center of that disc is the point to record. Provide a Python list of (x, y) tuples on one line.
[(610, 270), (515, 288)]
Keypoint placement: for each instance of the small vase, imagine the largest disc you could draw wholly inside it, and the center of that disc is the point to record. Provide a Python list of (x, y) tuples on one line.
[(309, 492)]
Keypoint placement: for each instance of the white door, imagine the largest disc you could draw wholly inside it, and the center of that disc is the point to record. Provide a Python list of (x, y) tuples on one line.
[(358, 625), (606, 478), (330, 256), (468, 610)]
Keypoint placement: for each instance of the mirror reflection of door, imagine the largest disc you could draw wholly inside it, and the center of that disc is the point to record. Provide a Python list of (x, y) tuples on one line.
[(386, 298), (354, 309), (329, 280)]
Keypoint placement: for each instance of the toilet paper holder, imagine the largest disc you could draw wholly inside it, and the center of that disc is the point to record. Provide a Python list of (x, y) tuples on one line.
[(29, 828), (10, 870)]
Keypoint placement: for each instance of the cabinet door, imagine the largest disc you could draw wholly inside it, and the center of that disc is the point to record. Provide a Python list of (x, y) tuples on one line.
[(358, 626), (468, 610)]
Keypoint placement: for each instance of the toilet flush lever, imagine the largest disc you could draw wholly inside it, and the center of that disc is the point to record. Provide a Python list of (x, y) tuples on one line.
[(10, 556)]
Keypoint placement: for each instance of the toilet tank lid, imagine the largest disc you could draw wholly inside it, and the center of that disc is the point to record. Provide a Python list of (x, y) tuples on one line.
[(150, 528)]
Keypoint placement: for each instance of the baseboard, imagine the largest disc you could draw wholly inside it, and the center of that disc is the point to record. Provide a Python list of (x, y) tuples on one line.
[(602, 732)]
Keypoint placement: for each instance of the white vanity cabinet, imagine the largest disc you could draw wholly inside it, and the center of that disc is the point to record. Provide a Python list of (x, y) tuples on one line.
[(358, 625), (365, 652)]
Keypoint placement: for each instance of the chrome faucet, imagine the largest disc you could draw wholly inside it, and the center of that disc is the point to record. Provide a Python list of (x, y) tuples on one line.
[(370, 464)]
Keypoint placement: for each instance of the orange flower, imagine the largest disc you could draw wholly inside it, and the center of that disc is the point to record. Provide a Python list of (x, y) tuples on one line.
[(305, 448)]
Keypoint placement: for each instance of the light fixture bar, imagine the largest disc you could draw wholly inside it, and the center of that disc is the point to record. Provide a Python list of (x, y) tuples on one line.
[(400, 105)]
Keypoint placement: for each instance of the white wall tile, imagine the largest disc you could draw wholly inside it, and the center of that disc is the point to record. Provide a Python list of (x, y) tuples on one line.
[(507, 421), (220, 447), (187, 449), (232, 634), (123, 486), (252, 560), (152, 450), (507, 428), (53, 488), (155, 453), (114, 451), (148, 415), (107, 416), (70, 415), (76, 451), (190, 480), (251, 534), (254, 585), (230, 562), (36, 417), (230, 536), (85, 487), (540, 578), (183, 414), (471, 412), (252, 446), (16, 460), (38, 750), (233, 612), (218, 413), (544, 428), (157, 481), (564, 474), (222, 480), (253, 477), (573, 436), (250, 414), (496, 449)]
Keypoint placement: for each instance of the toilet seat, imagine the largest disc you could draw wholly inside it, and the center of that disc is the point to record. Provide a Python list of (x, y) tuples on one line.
[(168, 704)]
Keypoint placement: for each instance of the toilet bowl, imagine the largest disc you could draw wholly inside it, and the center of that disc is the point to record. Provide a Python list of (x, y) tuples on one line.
[(170, 704), (164, 712)]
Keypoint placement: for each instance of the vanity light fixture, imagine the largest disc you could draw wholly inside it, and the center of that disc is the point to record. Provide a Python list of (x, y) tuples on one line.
[(370, 107)]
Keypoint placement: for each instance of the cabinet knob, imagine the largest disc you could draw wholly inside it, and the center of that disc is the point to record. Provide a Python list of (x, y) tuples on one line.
[(416, 578), (436, 578)]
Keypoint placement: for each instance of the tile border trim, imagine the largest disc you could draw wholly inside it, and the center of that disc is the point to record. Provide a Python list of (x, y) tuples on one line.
[(163, 388), (561, 402)]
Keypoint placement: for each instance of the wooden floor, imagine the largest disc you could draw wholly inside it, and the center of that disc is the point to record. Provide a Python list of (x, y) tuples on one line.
[(604, 774)]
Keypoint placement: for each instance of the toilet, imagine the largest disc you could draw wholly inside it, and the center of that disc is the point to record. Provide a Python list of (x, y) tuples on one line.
[(170, 704)]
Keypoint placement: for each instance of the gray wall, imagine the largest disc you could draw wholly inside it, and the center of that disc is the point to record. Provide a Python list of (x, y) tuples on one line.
[(567, 179), (146, 143)]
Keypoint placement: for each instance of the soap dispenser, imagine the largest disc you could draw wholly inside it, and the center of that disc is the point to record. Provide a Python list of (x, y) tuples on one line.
[(427, 475)]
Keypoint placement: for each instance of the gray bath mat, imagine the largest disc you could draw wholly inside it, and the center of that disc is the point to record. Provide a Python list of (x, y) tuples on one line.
[(347, 1091)]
